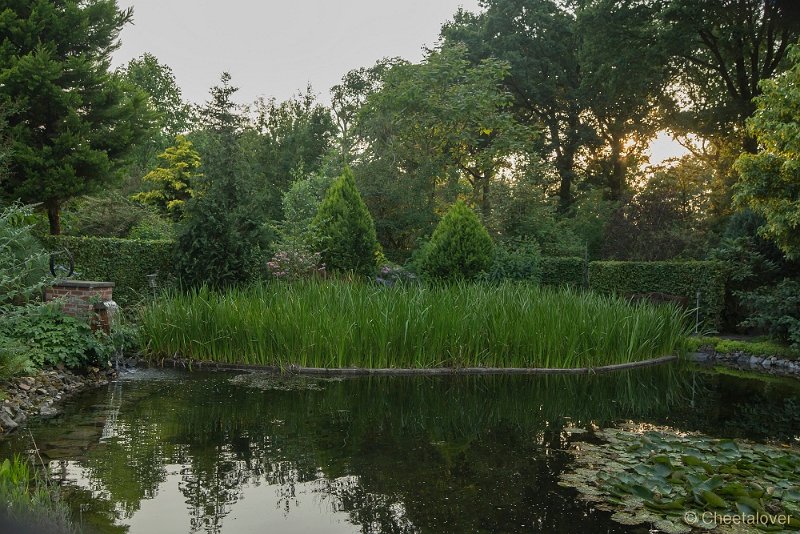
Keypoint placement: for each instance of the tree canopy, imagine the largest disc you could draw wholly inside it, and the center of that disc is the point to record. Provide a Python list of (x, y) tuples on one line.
[(72, 122)]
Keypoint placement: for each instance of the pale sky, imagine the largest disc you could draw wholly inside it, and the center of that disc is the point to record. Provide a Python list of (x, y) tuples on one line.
[(275, 48)]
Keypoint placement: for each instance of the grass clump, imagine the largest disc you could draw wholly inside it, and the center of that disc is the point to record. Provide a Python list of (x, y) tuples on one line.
[(755, 347), (29, 503), (339, 324)]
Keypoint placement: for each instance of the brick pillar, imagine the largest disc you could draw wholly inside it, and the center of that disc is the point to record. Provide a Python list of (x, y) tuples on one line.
[(80, 298)]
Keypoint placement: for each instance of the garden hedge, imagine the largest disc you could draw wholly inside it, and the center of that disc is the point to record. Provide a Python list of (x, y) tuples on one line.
[(682, 278), (568, 271), (125, 262)]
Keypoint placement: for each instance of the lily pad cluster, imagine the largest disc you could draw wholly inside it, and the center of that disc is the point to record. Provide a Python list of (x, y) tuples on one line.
[(680, 482)]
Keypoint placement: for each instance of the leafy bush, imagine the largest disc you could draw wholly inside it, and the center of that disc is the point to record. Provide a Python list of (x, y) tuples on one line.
[(23, 261), (296, 263), (126, 262), (345, 232), (389, 275), (48, 337), (111, 215), (300, 204), (568, 272), (776, 310), (460, 247), (516, 260), (674, 278)]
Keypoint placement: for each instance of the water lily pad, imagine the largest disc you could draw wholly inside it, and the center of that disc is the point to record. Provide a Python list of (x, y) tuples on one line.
[(661, 477)]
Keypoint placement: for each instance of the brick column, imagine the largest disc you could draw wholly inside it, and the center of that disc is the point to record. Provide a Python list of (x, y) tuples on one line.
[(79, 298)]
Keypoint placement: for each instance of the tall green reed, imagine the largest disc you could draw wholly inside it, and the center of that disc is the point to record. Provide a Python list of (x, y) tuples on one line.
[(341, 324)]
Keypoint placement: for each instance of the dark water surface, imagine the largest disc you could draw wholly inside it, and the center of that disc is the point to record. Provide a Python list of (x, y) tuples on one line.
[(163, 452)]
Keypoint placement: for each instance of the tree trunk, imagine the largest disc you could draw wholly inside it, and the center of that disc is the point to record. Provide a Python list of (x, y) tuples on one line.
[(564, 166), (485, 206), (54, 217), (616, 181)]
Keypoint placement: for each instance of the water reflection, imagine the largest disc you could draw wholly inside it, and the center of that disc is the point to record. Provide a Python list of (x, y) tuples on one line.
[(195, 453)]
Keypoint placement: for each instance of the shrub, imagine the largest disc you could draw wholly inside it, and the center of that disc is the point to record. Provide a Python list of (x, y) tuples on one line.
[(23, 261), (126, 262), (300, 204), (389, 275), (47, 337), (345, 232), (776, 310), (567, 272), (460, 247), (684, 279), (294, 263), (518, 259), (109, 215)]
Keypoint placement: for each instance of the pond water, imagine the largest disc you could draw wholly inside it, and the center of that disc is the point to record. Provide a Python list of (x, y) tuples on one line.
[(163, 451)]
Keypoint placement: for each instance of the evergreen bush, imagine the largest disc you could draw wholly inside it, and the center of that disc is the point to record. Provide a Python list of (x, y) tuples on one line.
[(460, 247), (345, 232)]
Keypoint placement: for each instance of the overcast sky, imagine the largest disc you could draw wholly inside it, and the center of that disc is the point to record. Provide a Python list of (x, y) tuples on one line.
[(275, 48)]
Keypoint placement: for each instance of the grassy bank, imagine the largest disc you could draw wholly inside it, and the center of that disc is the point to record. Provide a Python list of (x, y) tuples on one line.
[(354, 325)]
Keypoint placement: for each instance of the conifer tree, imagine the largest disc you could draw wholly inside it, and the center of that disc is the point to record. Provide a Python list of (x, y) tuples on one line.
[(345, 230)]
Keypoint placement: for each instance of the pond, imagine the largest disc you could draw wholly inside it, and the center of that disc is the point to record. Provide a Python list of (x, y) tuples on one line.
[(168, 451)]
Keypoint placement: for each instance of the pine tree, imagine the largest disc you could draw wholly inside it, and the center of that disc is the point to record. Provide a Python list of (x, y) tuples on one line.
[(345, 230), (460, 247), (72, 122)]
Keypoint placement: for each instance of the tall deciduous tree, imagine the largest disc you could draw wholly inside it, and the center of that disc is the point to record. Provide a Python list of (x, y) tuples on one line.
[(769, 182), (173, 115), (447, 118), (538, 40), (72, 122), (293, 137), (723, 49)]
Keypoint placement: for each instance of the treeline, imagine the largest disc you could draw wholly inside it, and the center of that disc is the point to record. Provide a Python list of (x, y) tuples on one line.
[(535, 113)]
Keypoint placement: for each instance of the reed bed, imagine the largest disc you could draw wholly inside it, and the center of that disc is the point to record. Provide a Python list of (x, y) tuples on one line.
[(339, 324)]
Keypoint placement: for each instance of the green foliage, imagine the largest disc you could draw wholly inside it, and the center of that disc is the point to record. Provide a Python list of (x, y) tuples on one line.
[(292, 263), (518, 260), (345, 232), (111, 214), (292, 137), (776, 310), (769, 182), (460, 247), (173, 179), (49, 337), (30, 500), (125, 262), (300, 204), (676, 481), (323, 324), (728, 346), (563, 272), (23, 261), (71, 123), (226, 235), (683, 279)]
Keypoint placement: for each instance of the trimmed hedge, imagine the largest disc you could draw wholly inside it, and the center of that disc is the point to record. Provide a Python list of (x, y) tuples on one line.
[(567, 271), (125, 262), (682, 278)]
